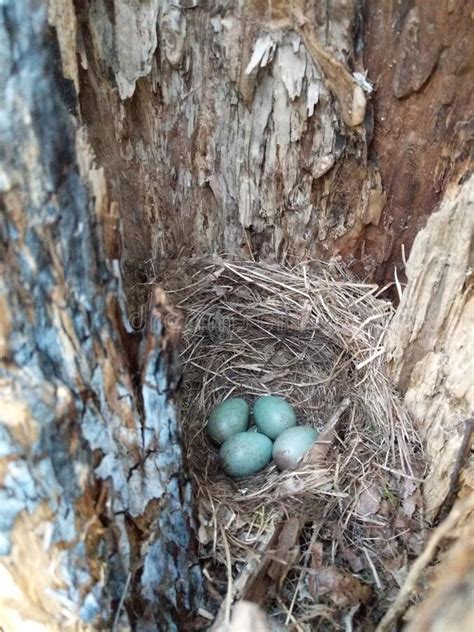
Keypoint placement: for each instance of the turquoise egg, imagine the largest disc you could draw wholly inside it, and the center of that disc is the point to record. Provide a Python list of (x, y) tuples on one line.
[(273, 415), (245, 453), (290, 446), (227, 419)]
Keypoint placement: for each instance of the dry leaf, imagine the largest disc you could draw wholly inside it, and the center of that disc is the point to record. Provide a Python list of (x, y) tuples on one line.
[(368, 502), (342, 588), (357, 562), (317, 555)]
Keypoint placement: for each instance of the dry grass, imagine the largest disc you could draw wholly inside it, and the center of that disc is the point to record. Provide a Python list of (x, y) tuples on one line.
[(316, 337)]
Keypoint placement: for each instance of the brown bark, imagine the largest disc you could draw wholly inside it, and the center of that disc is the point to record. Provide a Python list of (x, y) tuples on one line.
[(239, 138), (202, 152), (420, 56)]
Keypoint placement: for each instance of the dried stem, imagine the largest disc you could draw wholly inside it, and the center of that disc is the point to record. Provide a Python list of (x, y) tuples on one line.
[(315, 336), (441, 532)]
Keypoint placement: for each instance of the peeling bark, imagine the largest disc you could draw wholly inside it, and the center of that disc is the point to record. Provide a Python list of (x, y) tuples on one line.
[(419, 54), (93, 495), (241, 137), (243, 127), (238, 140), (431, 342)]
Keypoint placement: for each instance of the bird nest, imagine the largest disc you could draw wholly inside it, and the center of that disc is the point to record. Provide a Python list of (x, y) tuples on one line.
[(325, 540)]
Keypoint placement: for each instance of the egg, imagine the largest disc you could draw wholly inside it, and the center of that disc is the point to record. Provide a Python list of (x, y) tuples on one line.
[(273, 415), (245, 453), (290, 446), (227, 419)]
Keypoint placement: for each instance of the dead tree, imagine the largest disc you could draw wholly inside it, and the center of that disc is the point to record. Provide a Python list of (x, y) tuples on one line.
[(95, 503), (136, 132)]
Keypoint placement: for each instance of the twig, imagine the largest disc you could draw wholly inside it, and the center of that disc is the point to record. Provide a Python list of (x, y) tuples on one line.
[(326, 438), (290, 616), (228, 560), (397, 283), (304, 570), (348, 618), (441, 532), (378, 583), (122, 600)]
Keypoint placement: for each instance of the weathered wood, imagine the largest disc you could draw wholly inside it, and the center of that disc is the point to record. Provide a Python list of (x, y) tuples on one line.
[(236, 141), (240, 138), (419, 55), (431, 341), (219, 126), (93, 496)]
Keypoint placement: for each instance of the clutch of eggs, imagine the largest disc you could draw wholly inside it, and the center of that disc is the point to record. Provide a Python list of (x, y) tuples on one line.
[(243, 452)]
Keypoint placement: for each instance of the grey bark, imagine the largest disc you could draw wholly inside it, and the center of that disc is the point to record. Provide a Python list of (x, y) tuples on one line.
[(93, 495)]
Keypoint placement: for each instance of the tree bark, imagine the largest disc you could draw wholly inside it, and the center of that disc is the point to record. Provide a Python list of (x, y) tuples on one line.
[(133, 132), (430, 343), (95, 504), (234, 134), (419, 54)]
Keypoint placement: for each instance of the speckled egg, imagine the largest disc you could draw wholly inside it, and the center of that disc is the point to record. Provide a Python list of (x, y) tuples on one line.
[(227, 419), (290, 446), (273, 415), (245, 453)]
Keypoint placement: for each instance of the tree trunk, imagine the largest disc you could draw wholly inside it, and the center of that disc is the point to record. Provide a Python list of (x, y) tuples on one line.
[(234, 134), (95, 504), (136, 132), (430, 342)]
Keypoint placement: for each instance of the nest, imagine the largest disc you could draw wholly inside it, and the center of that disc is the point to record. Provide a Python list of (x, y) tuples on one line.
[(329, 535)]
